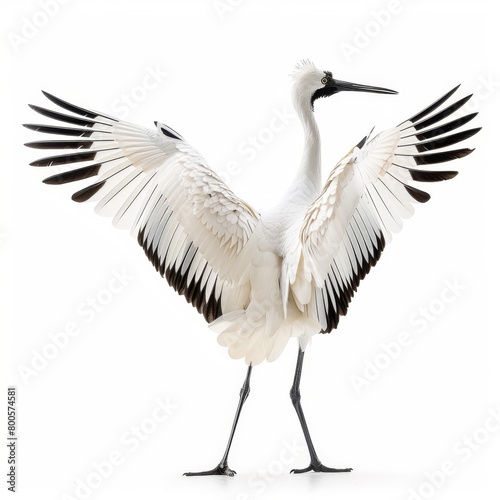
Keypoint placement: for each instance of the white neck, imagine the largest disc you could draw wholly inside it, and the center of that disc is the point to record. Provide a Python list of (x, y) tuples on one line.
[(308, 179)]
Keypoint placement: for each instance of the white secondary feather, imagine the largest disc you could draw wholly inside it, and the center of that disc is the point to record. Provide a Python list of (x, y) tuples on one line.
[(258, 280)]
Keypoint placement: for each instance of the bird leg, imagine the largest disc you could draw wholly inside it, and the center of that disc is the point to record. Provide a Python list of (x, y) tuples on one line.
[(222, 469), (315, 464)]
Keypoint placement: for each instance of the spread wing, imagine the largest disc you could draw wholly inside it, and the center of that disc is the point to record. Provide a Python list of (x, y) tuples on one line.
[(364, 201), (193, 228)]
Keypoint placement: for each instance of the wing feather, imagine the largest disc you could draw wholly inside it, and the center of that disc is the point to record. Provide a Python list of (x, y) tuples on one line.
[(191, 226), (365, 200)]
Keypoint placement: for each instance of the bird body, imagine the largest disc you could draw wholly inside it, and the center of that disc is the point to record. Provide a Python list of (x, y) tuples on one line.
[(258, 279)]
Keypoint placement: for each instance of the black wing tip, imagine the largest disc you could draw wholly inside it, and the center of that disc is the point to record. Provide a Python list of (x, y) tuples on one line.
[(87, 193), (450, 174), (472, 131), (73, 108), (444, 141), (74, 175), (470, 116), (58, 101), (417, 194), (452, 91), (462, 153), (33, 126), (429, 109), (466, 98), (52, 180), (50, 161), (432, 176), (443, 129), (441, 157), (52, 97)]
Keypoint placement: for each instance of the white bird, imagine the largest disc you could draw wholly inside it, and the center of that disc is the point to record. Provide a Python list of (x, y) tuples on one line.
[(258, 279)]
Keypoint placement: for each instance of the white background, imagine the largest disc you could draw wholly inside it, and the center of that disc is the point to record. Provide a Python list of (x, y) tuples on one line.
[(223, 77)]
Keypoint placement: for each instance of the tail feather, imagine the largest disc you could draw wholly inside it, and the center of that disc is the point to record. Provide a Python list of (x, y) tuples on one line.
[(259, 336)]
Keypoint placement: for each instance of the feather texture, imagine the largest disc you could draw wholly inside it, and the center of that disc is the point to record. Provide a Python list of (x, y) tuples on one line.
[(190, 224), (365, 199), (258, 280)]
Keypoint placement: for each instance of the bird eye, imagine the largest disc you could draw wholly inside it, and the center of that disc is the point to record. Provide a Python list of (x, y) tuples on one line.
[(324, 80)]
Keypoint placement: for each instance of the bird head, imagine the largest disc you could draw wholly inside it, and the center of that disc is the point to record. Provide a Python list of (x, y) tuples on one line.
[(312, 83)]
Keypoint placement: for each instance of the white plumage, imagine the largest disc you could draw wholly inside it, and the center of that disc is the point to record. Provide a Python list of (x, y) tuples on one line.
[(258, 279)]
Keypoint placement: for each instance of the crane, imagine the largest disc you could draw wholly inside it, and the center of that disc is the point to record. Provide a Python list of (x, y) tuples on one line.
[(258, 279)]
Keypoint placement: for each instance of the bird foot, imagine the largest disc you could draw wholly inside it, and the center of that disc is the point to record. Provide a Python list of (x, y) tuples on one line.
[(318, 467), (220, 470)]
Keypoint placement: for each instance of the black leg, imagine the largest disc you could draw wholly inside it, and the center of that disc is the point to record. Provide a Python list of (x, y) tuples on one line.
[(315, 464), (222, 469)]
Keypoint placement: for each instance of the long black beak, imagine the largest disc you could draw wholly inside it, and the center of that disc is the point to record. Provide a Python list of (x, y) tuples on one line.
[(339, 85)]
